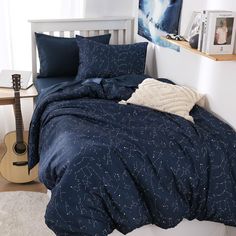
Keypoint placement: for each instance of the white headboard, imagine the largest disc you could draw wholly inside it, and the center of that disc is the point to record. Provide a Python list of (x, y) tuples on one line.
[(120, 28)]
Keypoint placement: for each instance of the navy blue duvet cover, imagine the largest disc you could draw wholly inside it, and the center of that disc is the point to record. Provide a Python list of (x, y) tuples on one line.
[(111, 166)]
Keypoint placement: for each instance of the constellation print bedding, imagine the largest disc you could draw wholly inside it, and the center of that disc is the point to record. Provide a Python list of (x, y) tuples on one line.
[(114, 166)]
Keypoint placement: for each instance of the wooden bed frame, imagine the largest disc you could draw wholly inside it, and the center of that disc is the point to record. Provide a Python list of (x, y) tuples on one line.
[(122, 31), (120, 28)]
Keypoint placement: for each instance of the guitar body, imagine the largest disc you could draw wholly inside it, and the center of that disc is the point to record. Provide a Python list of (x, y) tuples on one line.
[(14, 166)]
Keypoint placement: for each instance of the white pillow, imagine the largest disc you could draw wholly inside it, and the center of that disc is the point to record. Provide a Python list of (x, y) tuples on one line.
[(175, 99)]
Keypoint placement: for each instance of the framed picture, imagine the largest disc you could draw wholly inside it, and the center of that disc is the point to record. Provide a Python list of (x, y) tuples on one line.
[(194, 25), (221, 33), (156, 18)]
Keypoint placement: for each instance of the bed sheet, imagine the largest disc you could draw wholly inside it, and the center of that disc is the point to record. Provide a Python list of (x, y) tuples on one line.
[(45, 82), (113, 166)]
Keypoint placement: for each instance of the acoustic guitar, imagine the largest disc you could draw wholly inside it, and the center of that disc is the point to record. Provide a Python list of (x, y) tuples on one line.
[(14, 164)]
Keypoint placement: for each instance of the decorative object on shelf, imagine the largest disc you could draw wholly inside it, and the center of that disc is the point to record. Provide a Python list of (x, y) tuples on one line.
[(158, 17), (176, 37), (220, 38), (194, 24), (217, 32), (14, 164), (193, 41)]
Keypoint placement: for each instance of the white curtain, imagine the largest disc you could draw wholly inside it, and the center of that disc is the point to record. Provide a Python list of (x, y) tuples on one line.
[(15, 29), (15, 42), (5, 45)]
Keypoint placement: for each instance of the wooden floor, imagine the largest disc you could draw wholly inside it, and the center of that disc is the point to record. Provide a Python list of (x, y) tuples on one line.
[(34, 186)]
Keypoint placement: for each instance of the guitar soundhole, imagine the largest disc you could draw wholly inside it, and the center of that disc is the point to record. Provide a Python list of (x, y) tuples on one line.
[(20, 148)]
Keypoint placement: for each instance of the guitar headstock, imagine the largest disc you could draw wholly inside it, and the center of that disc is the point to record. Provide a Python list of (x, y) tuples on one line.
[(16, 82)]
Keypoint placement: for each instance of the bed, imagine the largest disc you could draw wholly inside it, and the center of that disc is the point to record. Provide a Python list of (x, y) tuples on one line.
[(111, 166)]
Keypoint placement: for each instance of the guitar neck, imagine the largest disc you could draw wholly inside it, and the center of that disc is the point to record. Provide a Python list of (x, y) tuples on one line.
[(18, 118)]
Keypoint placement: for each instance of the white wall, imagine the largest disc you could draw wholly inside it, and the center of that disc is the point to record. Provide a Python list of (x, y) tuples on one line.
[(100, 8), (215, 79)]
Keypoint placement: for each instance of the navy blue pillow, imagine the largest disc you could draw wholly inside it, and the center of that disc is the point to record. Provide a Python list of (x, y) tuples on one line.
[(59, 56), (106, 61)]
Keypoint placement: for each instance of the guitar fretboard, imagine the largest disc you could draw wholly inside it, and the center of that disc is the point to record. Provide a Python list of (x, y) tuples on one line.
[(18, 118)]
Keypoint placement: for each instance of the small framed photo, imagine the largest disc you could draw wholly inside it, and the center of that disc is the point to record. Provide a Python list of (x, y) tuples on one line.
[(223, 31), (221, 34), (194, 25)]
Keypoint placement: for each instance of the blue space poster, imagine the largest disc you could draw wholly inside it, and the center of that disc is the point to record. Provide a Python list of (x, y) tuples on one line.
[(156, 18)]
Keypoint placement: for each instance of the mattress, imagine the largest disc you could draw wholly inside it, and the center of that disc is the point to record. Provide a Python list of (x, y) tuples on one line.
[(185, 228)]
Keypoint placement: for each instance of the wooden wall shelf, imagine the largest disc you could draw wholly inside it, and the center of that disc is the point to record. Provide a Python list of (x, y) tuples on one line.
[(184, 44)]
